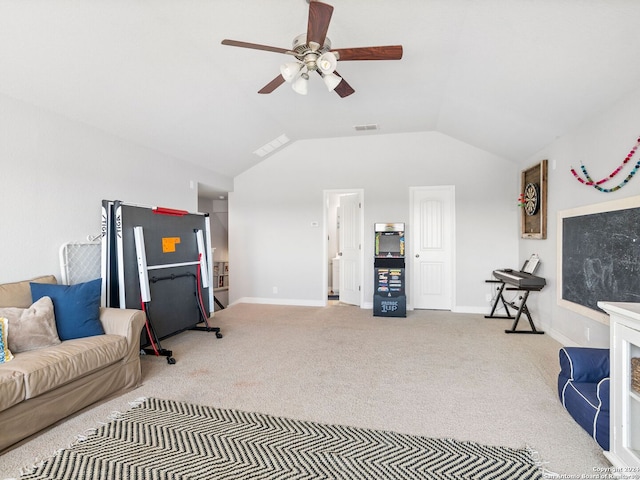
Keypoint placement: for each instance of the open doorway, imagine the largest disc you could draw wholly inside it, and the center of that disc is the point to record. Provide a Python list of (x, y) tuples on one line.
[(343, 254), (216, 205)]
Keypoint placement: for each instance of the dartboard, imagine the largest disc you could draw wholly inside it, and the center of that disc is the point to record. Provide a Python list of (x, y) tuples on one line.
[(531, 198)]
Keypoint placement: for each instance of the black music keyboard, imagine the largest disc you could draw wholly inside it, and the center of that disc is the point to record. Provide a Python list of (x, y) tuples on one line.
[(520, 279)]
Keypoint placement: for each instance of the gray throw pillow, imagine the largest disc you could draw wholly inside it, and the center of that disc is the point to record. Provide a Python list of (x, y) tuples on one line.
[(31, 328)]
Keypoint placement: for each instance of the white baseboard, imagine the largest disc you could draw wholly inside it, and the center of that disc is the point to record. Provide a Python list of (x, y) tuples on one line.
[(281, 301), (476, 310), (560, 338)]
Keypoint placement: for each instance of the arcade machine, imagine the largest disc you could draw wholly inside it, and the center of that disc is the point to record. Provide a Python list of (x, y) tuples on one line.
[(389, 298)]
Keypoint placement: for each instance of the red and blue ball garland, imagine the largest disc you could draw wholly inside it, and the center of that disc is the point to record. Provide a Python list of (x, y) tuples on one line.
[(589, 181)]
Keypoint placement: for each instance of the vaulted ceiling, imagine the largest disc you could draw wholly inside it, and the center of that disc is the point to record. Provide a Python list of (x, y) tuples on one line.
[(508, 76)]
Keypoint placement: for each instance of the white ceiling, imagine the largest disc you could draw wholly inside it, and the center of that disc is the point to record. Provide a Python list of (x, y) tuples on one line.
[(508, 76)]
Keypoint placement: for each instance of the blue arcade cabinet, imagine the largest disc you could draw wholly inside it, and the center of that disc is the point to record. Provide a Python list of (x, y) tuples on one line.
[(389, 297)]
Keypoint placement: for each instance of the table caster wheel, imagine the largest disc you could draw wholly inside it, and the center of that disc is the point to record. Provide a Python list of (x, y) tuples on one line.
[(218, 335), (171, 360)]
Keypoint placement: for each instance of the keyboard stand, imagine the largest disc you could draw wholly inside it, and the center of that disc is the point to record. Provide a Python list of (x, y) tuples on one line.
[(520, 309)]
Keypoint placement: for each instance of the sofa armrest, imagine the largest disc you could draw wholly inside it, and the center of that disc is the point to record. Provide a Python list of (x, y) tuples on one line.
[(129, 324), (603, 394), (580, 364), (126, 322)]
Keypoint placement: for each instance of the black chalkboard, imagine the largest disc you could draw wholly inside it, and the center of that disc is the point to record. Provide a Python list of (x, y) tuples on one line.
[(601, 257)]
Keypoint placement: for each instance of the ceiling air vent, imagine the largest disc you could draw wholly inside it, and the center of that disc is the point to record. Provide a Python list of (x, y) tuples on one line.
[(368, 126), (273, 145)]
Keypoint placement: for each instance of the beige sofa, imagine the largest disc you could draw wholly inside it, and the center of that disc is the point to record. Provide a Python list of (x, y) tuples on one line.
[(40, 387)]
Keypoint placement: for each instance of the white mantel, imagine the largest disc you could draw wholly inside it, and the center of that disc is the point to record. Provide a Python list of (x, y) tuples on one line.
[(627, 309)]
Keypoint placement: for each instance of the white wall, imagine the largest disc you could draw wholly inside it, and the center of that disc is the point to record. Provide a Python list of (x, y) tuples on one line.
[(271, 211), (601, 143), (54, 174)]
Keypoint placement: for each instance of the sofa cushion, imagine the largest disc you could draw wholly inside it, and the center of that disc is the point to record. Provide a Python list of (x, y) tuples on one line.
[(31, 328), (18, 294), (76, 307), (5, 353), (51, 367), (11, 387)]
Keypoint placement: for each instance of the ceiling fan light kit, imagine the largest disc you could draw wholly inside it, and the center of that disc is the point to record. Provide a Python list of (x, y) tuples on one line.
[(331, 80), (291, 71), (301, 84), (312, 51), (327, 62)]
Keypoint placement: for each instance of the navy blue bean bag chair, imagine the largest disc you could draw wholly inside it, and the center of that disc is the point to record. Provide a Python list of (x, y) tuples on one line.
[(583, 387)]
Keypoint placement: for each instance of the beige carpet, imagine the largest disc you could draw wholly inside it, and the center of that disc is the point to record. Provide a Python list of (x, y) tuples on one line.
[(433, 373)]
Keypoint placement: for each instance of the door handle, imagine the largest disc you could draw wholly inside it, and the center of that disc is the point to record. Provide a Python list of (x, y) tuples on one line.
[(339, 254), (417, 255)]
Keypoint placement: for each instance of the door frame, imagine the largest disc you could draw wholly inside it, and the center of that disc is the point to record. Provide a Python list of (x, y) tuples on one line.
[(412, 247), (325, 236)]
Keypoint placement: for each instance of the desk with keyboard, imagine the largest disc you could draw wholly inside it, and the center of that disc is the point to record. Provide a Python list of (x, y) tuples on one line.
[(518, 281)]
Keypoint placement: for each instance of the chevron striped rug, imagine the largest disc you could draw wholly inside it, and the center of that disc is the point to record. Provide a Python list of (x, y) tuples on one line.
[(167, 440)]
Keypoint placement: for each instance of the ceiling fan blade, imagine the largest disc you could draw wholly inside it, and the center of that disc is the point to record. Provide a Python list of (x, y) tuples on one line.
[(319, 18), (389, 52), (343, 89), (255, 46), (272, 85)]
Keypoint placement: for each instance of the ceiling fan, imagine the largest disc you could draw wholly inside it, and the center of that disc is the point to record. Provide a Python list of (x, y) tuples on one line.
[(312, 51)]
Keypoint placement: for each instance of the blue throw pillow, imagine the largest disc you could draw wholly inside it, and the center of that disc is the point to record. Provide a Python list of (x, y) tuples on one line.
[(76, 307)]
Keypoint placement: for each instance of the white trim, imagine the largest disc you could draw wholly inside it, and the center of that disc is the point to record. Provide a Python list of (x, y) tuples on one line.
[(281, 301), (474, 310), (560, 338)]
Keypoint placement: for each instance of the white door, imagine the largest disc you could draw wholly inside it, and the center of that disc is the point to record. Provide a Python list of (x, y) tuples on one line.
[(349, 248), (432, 245)]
